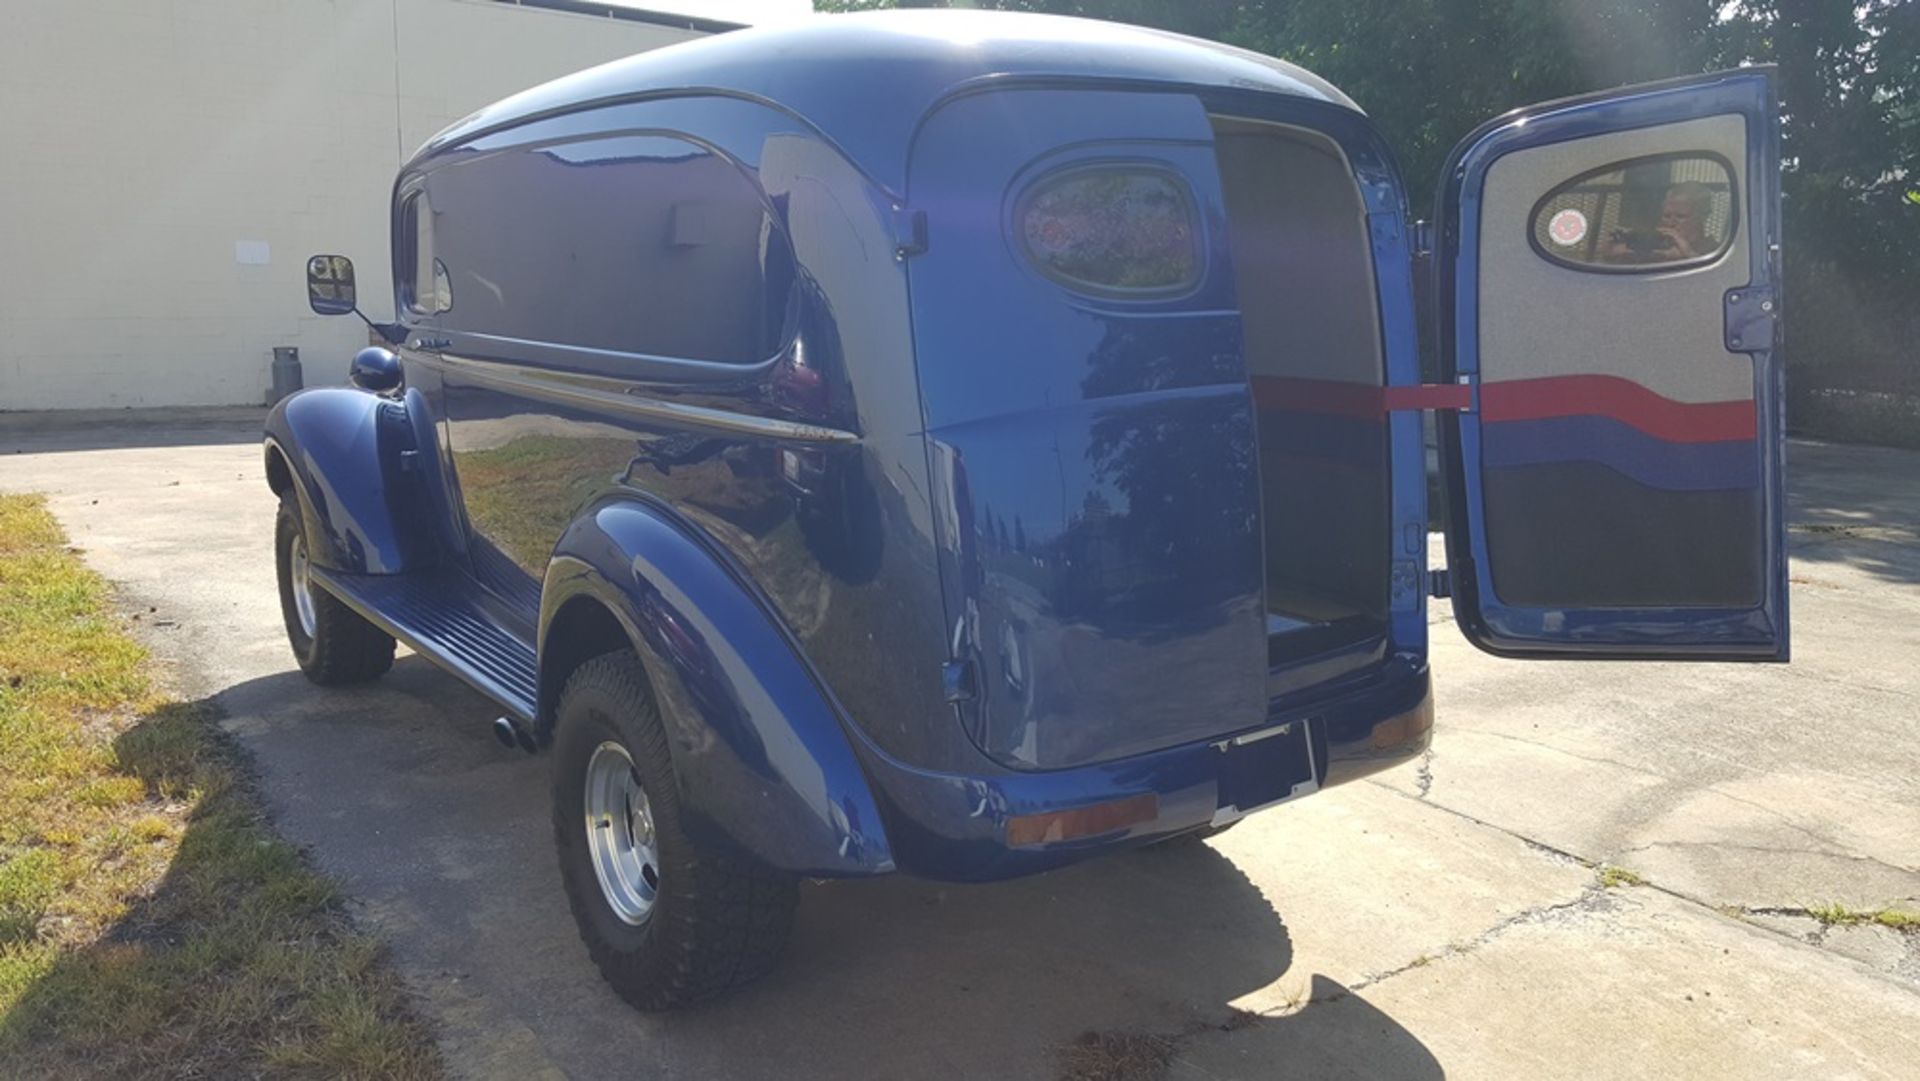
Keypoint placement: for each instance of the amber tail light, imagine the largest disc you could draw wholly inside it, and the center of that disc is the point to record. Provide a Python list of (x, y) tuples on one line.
[(1087, 821)]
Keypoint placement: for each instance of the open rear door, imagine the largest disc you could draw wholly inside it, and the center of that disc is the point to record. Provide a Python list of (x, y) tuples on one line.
[(1607, 288)]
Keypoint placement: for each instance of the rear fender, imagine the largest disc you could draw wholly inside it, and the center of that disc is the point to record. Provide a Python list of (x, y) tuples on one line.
[(362, 466), (759, 750)]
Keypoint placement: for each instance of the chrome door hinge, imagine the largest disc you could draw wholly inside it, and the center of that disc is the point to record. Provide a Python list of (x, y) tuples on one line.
[(957, 680), (909, 232), (1422, 239), (1751, 315)]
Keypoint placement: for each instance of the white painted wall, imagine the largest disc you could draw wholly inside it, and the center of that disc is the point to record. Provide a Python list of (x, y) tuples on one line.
[(142, 140)]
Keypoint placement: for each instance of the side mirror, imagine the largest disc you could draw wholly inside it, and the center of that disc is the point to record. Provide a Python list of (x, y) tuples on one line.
[(330, 285), (374, 369)]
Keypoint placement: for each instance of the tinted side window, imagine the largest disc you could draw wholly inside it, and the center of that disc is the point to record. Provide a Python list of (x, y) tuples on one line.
[(639, 244)]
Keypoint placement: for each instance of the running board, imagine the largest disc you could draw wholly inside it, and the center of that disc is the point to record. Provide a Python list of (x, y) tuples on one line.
[(437, 617)]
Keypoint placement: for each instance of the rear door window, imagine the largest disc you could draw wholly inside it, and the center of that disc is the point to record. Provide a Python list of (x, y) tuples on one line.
[(1664, 212)]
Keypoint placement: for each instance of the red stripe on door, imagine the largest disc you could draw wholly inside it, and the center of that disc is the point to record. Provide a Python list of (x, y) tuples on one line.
[(1521, 399), (1359, 401), (1622, 400)]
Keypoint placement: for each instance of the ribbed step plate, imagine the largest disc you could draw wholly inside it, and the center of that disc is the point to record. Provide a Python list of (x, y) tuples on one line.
[(437, 616)]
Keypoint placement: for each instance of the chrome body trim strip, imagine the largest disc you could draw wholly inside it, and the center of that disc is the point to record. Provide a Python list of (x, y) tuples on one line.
[(621, 396)]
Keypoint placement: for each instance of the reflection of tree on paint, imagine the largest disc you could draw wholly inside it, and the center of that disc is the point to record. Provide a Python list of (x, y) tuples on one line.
[(1178, 498)]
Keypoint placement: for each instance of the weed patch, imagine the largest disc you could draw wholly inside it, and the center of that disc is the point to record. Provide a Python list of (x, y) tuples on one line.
[(1842, 916), (151, 923)]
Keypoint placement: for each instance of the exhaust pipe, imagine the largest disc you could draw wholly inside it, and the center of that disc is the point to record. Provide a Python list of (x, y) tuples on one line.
[(503, 731), (513, 735)]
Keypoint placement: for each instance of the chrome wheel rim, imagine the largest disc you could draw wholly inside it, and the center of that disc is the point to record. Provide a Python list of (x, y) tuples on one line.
[(302, 585), (620, 835)]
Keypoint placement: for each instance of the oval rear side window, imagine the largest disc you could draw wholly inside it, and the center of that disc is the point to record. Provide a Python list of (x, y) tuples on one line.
[(1111, 229), (1664, 212)]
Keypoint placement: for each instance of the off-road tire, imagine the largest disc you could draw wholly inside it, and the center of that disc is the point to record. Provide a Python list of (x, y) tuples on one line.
[(717, 920), (343, 648)]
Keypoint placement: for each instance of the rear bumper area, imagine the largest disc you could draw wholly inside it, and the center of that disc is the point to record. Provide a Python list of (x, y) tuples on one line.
[(978, 828)]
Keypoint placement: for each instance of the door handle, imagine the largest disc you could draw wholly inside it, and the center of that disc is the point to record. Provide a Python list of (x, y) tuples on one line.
[(432, 343)]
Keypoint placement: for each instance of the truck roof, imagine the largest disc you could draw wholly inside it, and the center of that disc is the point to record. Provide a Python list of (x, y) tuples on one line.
[(865, 80)]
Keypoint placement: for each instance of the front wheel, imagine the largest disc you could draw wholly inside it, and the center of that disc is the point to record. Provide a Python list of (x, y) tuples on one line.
[(333, 643), (667, 920)]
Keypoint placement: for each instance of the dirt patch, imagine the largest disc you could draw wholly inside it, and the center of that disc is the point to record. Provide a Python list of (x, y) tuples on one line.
[(1136, 1056)]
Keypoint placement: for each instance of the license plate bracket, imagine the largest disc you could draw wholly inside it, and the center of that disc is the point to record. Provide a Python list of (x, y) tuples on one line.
[(1263, 768)]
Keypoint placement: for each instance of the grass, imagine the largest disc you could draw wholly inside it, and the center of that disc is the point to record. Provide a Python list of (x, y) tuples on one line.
[(151, 924), (1842, 916), (1612, 877)]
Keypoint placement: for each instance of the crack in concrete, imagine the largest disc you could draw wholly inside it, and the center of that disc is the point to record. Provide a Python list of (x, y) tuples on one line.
[(1825, 918), (1720, 910), (1776, 910), (1891, 534), (1682, 785), (1590, 899), (1537, 845), (1423, 777), (1823, 925), (1597, 759), (1777, 850), (1849, 684)]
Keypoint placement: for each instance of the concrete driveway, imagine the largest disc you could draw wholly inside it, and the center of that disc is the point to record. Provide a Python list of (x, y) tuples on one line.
[(1442, 919)]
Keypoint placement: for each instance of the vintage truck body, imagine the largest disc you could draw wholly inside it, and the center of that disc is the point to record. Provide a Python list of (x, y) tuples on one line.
[(996, 439)]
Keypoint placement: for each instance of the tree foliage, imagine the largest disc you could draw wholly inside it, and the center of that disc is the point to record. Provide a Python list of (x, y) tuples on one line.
[(1429, 71)]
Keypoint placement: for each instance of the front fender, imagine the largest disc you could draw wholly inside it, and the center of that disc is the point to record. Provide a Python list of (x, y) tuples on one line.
[(759, 750), (354, 461)]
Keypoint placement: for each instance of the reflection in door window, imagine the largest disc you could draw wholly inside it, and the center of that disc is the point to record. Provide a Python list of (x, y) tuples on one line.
[(424, 285), (1656, 213)]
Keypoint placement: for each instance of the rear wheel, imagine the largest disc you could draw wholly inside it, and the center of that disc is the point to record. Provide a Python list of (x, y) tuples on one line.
[(333, 643), (667, 920)]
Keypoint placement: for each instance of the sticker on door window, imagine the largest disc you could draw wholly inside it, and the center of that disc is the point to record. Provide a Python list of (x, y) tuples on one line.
[(1568, 227), (1655, 213)]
